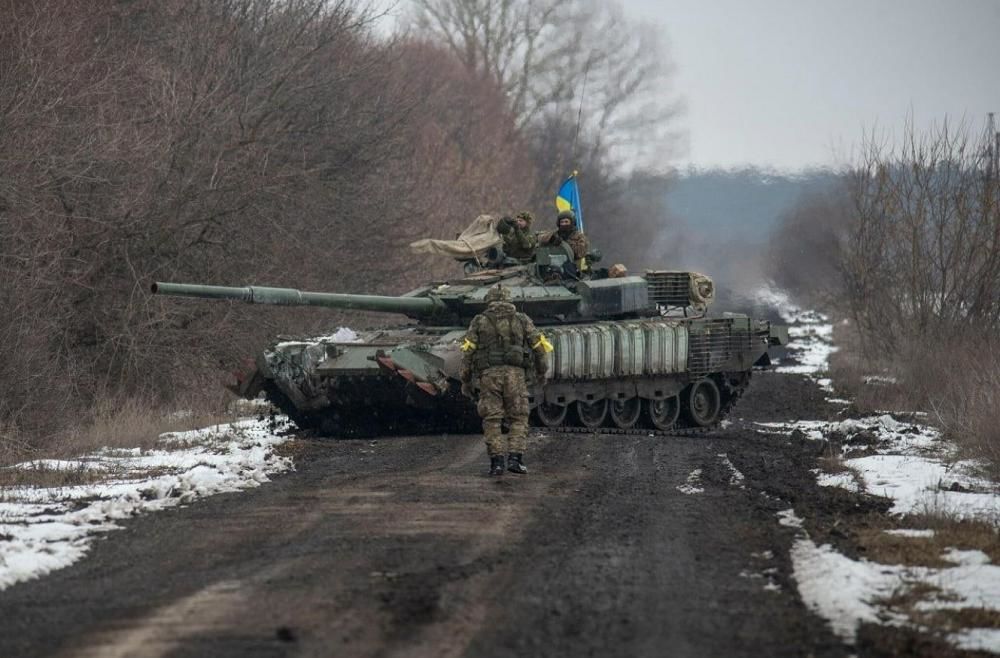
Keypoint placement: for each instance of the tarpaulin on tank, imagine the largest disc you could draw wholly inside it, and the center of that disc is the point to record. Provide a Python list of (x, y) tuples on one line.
[(471, 243)]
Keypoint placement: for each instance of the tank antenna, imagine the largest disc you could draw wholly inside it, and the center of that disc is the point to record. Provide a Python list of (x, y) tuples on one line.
[(579, 112)]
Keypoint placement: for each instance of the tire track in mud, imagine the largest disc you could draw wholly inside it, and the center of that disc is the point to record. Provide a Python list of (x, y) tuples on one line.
[(403, 547), (650, 571)]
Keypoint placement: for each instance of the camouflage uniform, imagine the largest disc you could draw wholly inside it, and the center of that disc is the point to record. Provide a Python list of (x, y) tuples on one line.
[(519, 243), (574, 238), (500, 346), (570, 235)]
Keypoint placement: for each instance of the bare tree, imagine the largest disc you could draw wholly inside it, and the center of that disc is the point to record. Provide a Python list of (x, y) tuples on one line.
[(224, 141), (923, 256), (547, 55)]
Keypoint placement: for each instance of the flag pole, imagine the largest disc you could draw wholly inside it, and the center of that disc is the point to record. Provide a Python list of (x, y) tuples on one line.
[(579, 204)]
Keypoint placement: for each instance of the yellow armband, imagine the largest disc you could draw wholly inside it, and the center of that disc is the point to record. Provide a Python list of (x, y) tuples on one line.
[(543, 343), (468, 345)]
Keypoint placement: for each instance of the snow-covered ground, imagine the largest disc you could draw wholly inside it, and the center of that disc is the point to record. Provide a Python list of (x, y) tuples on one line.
[(913, 466), (43, 529), (810, 337)]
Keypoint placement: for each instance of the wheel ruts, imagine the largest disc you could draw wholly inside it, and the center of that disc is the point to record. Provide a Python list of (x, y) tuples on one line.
[(662, 414), (625, 413), (702, 403), (591, 414), (551, 415)]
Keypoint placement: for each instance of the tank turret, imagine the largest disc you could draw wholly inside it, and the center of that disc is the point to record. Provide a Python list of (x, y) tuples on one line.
[(550, 290)]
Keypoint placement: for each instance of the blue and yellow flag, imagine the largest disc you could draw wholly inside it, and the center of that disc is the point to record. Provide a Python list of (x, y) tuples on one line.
[(568, 198)]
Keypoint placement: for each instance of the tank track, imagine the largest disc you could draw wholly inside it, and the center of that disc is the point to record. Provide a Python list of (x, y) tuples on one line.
[(360, 427), (678, 430), (628, 431)]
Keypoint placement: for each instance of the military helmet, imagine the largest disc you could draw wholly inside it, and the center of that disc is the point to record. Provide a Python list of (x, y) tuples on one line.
[(526, 216), (566, 214), (497, 294)]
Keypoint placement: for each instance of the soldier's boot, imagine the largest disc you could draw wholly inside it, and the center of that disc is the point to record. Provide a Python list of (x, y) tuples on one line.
[(496, 465), (515, 463)]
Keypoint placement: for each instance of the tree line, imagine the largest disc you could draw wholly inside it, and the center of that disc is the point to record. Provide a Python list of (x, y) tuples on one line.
[(282, 142), (908, 248)]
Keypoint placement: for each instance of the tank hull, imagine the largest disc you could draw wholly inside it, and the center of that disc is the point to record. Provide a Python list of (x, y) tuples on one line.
[(654, 373)]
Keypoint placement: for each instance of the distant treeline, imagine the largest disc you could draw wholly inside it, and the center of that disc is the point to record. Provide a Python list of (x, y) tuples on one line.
[(748, 201)]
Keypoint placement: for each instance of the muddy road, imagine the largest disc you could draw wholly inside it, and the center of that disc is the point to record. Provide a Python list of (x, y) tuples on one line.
[(402, 546)]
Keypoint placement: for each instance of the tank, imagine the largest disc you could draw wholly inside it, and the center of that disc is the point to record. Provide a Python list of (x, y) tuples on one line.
[(630, 352)]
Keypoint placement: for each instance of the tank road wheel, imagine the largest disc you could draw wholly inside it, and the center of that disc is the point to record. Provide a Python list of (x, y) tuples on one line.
[(625, 413), (551, 415), (591, 414), (662, 414), (702, 403)]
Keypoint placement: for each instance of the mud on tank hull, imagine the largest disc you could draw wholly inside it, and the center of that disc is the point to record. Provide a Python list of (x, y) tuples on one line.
[(655, 373)]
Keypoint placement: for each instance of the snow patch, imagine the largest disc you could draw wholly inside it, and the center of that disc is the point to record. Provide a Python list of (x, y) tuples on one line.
[(342, 335), (839, 589), (788, 519), (912, 465), (878, 379), (911, 533), (736, 478), (44, 529), (693, 484), (845, 480), (977, 639), (968, 558), (849, 592)]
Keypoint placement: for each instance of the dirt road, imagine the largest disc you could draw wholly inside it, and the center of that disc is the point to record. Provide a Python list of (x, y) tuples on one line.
[(403, 547)]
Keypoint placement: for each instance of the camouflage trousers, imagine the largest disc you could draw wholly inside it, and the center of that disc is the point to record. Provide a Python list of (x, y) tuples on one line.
[(503, 393)]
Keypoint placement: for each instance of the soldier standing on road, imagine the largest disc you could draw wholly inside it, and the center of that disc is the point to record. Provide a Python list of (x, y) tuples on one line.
[(500, 346), (518, 240), (566, 232)]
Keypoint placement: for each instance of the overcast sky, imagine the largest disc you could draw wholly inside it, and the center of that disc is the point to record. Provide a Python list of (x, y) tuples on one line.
[(792, 83)]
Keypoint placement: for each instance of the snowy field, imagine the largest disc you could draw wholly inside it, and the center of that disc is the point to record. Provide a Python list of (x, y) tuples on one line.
[(910, 464), (43, 529)]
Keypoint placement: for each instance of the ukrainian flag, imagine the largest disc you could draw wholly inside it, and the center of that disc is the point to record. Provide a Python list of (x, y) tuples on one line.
[(568, 198)]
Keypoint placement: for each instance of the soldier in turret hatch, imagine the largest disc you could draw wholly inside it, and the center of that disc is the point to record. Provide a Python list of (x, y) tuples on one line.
[(566, 232), (518, 240), (500, 346)]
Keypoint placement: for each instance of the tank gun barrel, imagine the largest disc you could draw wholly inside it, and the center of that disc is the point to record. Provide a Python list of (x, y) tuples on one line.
[(413, 306)]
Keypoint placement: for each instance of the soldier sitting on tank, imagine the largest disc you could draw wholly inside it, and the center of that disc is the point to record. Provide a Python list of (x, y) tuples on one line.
[(519, 242), (567, 232), (500, 346)]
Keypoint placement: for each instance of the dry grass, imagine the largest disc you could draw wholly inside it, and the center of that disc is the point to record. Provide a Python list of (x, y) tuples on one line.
[(46, 477), (964, 397), (849, 368), (132, 422), (956, 382), (879, 546), (138, 423), (41, 475), (956, 620), (832, 459), (908, 595)]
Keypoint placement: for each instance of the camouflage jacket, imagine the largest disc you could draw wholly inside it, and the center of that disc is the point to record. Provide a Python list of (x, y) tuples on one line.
[(499, 336), (520, 243), (576, 240)]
